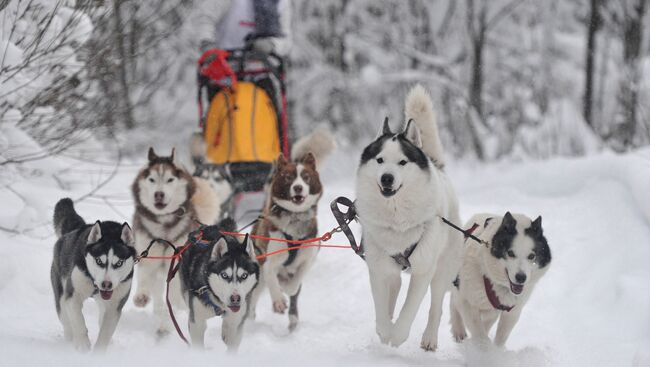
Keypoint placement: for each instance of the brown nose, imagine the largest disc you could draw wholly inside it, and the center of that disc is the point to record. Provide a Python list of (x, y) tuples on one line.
[(159, 196), (235, 298), (297, 189)]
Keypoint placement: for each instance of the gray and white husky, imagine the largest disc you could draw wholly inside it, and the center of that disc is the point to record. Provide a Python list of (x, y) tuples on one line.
[(402, 190), (167, 202), (496, 282), (90, 260), (218, 280)]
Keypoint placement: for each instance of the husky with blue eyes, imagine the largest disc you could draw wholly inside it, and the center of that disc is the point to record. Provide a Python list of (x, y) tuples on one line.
[(90, 260), (218, 279), (495, 283)]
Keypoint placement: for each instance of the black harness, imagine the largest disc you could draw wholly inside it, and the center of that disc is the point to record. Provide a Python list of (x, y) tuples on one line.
[(402, 258), (294, 250), (344, 219), (203, 294)]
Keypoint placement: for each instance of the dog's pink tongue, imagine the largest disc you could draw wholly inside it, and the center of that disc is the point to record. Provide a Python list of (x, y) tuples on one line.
[(234, 308), (106, 295), (516, 288)]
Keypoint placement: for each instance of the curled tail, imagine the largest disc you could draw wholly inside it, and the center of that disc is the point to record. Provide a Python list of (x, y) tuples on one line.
[(66, 218), (419, 107), (320, 143)]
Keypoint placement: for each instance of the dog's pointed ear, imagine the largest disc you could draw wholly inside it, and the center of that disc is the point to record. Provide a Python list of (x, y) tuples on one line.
[(95, 233), (412, 133), (220, 248), (173, 155), (509, 222), (536, 225), (152, 155), (309, 160), (385, 128), (281, 160), (127, 235), (250, 248)]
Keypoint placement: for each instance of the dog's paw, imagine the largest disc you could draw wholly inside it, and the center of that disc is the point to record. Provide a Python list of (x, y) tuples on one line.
[(141, 300), (383, 331), (82, 344), (398, 335), (280, 305), (459, 336), (428, 343)]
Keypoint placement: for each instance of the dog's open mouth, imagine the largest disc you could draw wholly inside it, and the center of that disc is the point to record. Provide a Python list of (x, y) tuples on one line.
[(234, 307), (298, 199), (160, 205), (388, 191), (106, 295), (514, 287)]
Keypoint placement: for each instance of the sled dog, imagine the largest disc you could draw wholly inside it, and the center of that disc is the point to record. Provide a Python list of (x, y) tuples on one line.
[(290, 213), (496, 282), (90, 260), (218, 280), (402, 190), (167, 202)]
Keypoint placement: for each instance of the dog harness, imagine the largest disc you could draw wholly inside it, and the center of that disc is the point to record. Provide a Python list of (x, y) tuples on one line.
[(203, 294), (492, 296), (294, 251), (402, 258)]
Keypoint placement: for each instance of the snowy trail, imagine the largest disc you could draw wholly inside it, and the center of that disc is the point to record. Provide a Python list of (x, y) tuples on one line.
[(591, 309)]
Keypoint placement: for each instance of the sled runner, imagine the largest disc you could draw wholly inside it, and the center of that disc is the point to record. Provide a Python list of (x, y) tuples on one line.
[(244, 127)]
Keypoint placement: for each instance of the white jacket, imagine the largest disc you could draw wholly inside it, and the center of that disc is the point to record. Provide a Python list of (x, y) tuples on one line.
[(239, 20)]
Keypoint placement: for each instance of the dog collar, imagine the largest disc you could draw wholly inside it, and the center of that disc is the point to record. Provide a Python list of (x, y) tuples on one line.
[(492, 296)]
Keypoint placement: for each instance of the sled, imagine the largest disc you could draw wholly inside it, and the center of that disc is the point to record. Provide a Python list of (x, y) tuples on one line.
[(244, 128)]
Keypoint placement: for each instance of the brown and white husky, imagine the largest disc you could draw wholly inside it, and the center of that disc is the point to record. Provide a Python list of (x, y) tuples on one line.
[(290, 213), (167, 202)]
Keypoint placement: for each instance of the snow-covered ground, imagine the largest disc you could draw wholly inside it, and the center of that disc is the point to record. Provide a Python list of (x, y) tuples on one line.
[(591, 309)]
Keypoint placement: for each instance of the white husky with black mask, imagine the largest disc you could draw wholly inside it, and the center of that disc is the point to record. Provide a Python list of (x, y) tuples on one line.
[(402, 190), (496, 282)]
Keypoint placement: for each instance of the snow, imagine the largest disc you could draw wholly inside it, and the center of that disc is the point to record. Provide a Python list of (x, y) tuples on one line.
[(591, 309)]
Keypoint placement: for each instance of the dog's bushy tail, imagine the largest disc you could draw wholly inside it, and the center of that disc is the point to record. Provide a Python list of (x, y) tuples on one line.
[(320, 143), (419, 107), (66, 218)]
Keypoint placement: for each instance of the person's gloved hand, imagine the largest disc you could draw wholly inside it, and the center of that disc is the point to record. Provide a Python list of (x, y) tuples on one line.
[(264, 45)]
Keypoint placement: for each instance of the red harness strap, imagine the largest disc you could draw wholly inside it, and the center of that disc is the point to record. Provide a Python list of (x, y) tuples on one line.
[(492, 296)]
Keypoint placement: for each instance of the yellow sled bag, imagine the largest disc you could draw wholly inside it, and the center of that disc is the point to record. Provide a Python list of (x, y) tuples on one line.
[(242, 126)]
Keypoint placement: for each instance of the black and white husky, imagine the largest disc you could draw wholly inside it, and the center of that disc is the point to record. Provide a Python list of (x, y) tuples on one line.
[(90, 260), (496, 282), (402, 190), (218, 280)]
